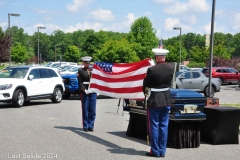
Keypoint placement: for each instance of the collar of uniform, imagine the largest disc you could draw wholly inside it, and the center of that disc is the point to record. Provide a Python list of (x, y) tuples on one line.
[(161, 63), (85, 68)]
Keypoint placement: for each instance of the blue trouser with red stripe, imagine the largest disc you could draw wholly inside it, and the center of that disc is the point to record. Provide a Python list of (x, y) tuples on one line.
[(88, 110), (158, 129)]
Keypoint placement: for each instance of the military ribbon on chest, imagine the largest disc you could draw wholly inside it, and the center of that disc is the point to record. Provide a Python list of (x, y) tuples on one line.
[(89, 73)]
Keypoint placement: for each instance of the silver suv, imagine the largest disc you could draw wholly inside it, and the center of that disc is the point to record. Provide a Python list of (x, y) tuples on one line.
[(197, 81), (22, 84)]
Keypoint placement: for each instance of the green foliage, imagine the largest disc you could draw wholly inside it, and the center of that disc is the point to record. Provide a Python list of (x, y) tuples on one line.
[(2, 66), (141, 40), (72, 54), (174, 53), (117, 51), (193, 64), (221, 51), (18, 36), (19, 54), (199, 54), (94, 42), (144, 34), (236, 45), (190, 40)]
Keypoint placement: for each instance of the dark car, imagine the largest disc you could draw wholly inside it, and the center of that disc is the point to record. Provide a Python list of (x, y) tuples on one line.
[(225, 74)]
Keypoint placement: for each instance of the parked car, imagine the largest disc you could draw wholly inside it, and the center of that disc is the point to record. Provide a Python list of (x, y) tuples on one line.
[(72, 70), (225, 74), (71, 82), (51, 64), (184, 68), (22, 84), (197, 81), (71, 85), (196, 69)]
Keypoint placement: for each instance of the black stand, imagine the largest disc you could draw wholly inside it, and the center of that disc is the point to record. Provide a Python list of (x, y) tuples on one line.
[(221, 125), (137, 126), (181, 134)]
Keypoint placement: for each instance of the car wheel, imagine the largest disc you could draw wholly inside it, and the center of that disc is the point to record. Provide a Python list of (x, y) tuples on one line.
[(57, 95), (18, 98), (66, 95), (221, 81), (206, 92)]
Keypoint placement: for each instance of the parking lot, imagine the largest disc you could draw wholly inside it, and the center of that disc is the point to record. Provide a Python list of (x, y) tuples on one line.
[(43, 130), (228, 94)]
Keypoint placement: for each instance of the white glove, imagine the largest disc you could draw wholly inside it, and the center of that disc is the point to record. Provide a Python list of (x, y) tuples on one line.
[(86, 91), (152, 63)]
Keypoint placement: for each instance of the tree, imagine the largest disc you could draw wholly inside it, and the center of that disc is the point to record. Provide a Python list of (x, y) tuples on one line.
[(221, 50), (190, 40), (59, 39), (72, 54), (199, 54), (174, 53), (222, 62), (19, 54), (117, 51), (144, 34), (94, 42), (18, 36), (5, 44), (236, 45)]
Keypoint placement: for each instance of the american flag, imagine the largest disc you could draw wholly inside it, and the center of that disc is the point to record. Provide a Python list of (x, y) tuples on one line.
[(119, 80), (160, 44)]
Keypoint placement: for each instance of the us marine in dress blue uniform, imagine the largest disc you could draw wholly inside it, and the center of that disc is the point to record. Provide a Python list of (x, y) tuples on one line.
[(158, 81), (88, 99)]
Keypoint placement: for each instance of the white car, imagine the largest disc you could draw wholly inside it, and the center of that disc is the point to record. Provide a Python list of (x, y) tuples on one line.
[(184, 68), (22, 84)]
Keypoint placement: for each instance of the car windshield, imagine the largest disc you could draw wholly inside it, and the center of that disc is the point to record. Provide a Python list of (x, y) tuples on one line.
[(48, 64), (13, 73), (73, 69)]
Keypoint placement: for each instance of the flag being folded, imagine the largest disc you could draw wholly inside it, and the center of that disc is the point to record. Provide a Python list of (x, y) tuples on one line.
[(119, 80)]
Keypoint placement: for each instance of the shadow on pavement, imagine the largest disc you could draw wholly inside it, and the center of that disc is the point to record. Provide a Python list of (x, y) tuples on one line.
[(113, 148), (32, 103), (229, 87)]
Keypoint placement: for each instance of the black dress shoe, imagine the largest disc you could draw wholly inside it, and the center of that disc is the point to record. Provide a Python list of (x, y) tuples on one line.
[(86, 130), (90, 129), (150, 155)]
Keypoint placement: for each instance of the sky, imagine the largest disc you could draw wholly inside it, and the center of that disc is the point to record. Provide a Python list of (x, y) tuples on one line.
[(118, 15)]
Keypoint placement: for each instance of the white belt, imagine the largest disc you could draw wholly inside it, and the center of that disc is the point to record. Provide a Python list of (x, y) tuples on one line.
[(85, 82), (159, 89)]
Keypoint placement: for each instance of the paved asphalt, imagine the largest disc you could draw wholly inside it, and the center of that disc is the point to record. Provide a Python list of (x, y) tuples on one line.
[(44, 130)]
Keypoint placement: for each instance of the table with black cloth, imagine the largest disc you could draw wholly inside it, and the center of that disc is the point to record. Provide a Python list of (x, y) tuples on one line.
[(181, 133), (221, 125), (184, 133)]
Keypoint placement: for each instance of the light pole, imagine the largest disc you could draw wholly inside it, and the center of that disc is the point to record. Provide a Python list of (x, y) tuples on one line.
[(40, 58), (211, 48), (38, 40), (55, 51), (179, 28), (16, 15)]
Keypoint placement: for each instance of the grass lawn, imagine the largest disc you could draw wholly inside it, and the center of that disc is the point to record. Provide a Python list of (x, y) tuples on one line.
[(232, 105), (1, 67)]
